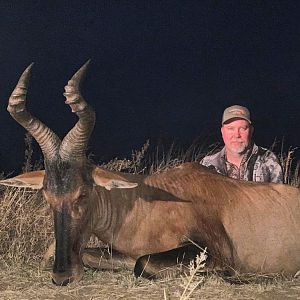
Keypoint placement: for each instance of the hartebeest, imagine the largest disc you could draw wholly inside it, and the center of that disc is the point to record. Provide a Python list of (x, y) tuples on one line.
[(246, 227)]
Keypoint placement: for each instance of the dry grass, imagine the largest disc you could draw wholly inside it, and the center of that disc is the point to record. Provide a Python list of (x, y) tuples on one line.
[(25, 227), (26, 232), (290, 167), (32, 283)]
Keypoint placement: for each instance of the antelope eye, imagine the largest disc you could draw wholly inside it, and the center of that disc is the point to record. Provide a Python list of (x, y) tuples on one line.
[(82, 195)]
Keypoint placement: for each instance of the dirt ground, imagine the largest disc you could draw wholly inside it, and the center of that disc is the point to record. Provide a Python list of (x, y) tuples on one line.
[(31, 283)]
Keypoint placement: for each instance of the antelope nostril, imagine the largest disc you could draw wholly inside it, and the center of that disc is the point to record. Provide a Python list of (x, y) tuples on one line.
[(62, 283)]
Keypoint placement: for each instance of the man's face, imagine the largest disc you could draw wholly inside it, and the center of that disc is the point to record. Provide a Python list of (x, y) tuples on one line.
[(237, 135)]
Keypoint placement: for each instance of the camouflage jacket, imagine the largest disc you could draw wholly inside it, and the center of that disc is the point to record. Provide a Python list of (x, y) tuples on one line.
[(258, 164)]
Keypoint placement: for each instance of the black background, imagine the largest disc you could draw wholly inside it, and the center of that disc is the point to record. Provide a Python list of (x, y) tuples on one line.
[(163, 70)]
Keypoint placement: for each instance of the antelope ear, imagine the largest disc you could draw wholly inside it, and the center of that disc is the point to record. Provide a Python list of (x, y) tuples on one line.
[(110, 180), (33, 180)]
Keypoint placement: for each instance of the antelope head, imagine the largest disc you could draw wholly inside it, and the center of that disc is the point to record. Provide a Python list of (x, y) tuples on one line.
[(69, 179)]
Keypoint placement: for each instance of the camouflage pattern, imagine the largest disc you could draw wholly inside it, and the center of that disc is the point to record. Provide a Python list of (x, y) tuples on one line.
[(258, 164)]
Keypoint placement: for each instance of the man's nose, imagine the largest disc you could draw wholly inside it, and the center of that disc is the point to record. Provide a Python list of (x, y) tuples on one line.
[(236, 133)]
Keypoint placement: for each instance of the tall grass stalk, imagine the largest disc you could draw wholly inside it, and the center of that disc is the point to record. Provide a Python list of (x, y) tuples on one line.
[(195, 266)]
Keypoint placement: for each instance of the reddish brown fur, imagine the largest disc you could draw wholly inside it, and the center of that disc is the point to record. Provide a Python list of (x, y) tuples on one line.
[(192, 203)]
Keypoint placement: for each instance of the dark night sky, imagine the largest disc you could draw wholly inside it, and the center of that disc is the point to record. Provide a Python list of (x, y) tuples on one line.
[(163, 70)]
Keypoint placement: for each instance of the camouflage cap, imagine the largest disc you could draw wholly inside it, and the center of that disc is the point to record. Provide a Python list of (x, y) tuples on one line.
[(236, 111)]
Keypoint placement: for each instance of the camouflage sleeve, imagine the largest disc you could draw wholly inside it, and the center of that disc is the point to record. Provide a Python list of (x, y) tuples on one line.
[(205, 161), (209, 163), (273, 167)]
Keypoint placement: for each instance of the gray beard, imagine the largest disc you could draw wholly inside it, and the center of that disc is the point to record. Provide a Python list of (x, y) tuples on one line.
[(239, 150)]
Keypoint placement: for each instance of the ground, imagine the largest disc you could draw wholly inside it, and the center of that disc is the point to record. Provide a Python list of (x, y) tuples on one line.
[(29, 282)]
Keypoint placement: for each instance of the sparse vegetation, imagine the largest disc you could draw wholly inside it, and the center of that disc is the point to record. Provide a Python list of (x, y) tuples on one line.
[(26, 232)]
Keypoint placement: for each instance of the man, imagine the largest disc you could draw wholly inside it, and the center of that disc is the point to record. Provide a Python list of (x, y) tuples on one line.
[(241, 158)]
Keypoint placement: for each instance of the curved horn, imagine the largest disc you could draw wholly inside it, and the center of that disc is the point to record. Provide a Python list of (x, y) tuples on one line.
[(75, 142), (46, 138)]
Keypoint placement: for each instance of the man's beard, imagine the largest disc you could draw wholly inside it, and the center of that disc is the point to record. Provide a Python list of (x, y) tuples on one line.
[(238, 149)]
